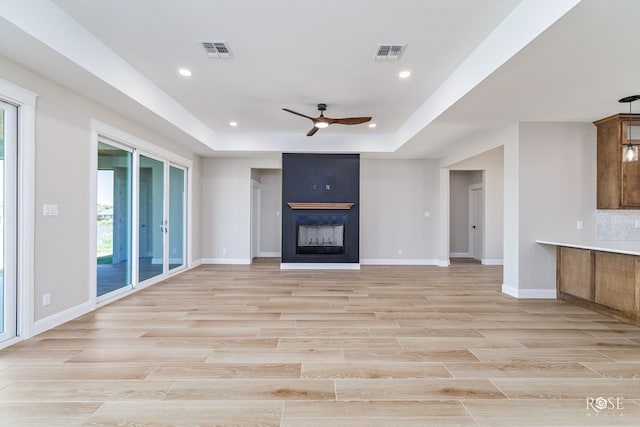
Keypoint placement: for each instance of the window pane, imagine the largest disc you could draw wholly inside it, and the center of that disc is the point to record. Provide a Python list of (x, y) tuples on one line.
[(152, 225), (176, 217), (113, 225)]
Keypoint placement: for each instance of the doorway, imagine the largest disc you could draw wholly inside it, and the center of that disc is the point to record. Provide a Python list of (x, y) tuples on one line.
[(466, 222), (265, 222)]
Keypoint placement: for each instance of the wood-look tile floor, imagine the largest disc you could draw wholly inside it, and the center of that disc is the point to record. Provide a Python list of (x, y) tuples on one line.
[(383, 346)]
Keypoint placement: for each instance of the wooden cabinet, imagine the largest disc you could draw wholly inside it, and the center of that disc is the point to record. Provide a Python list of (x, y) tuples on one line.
[(618, 182), (617, 282), (606, 282), (575, 274)]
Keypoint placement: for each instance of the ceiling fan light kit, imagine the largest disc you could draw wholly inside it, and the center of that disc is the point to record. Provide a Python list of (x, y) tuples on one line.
[(322, 122)]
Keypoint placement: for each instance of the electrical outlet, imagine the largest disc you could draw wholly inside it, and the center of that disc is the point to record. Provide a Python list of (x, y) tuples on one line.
[(579, 225), (427, 214), (224, 251), (399, 251), (46, 299)]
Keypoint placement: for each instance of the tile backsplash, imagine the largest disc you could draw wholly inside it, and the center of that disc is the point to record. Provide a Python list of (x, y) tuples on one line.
[(617, 224)]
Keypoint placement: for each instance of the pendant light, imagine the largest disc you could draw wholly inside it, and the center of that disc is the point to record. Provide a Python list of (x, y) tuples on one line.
[(630, 152)]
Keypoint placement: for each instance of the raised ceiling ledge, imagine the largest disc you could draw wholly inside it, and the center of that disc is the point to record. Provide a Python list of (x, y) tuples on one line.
[(299, 205)]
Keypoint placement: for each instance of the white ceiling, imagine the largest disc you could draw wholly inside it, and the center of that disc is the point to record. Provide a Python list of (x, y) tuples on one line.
[(476, 67)]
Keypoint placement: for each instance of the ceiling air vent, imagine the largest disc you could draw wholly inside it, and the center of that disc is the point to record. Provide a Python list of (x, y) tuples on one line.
[(389, 52), (217, 49)]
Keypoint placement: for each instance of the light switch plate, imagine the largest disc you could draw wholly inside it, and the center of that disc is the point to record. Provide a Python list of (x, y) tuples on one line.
[(50, 210)]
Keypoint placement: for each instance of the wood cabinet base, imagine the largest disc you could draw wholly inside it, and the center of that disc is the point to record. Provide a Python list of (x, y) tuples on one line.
[(599, 308), (606, 282)]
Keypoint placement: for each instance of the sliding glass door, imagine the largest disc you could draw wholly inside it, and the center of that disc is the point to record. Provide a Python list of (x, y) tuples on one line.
[(177, 211), (8, 219), (152, 223), (161, 217), (130, 252), (114, 215)]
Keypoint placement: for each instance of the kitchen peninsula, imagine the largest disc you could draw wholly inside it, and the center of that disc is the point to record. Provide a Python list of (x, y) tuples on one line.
[(601, 275)]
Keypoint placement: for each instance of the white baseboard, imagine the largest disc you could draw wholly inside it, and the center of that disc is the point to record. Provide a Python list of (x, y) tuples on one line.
[(486, 261), (529, 293), (242, 261), (398, 261), (459, 255), (270, 254), (57, 319), (319, 266)]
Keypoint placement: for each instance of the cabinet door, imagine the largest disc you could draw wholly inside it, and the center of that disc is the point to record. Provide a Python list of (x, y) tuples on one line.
[(575, 272), (608, 166), (616, 281), (630, 183)]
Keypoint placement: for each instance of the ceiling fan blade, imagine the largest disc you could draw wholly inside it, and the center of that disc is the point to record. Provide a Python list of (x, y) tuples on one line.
[(350, 120), (312, 131), (298, 114)]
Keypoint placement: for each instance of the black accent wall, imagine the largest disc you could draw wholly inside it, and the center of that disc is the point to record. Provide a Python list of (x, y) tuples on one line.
[(320, 178)]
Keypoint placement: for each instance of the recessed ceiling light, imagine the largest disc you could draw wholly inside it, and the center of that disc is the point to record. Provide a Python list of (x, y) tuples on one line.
[(185, 72), (234, 124), (372, 125), (404, 74)]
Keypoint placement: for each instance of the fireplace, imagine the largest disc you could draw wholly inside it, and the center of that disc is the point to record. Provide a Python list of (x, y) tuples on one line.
[(320, 234), (320, 210)]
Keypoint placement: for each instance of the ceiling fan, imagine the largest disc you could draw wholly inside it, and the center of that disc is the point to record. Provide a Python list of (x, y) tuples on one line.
[(322, 122)]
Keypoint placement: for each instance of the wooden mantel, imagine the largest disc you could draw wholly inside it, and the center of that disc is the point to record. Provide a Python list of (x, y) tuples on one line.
[(299, 205)]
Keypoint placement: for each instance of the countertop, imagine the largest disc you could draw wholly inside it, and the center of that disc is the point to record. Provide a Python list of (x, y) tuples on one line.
[(620, 247)]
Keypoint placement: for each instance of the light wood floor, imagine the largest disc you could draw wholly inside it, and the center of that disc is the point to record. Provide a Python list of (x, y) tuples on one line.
[(383, 346)]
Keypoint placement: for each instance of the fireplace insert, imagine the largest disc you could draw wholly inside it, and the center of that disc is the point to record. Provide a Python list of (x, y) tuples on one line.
[(320, 234)]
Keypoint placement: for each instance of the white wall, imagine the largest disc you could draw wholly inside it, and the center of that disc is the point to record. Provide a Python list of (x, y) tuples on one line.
[(196, 209), (394, 196), (511, 270), (557, 188), (226, 202), (62, 158)]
